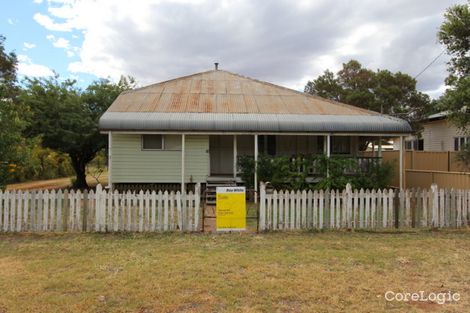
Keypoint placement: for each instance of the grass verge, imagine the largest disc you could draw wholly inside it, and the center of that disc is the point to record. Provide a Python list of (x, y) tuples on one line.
[(273, 272)]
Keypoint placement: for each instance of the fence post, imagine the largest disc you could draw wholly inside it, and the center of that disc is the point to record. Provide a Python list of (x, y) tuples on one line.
[(448, 161), (348, 201), (98, 208), (197, 205), (435, 204), (262, 207), (85, 210)]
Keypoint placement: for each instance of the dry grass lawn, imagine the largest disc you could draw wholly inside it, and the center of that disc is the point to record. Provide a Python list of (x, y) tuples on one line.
[(274, 272)]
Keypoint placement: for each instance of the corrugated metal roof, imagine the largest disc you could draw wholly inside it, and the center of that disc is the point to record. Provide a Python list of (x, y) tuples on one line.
[(223, 101), (437, 116), (233, 94), (236, 122)]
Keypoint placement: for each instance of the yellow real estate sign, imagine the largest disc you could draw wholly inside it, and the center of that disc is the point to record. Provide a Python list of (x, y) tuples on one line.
[(230, 209)]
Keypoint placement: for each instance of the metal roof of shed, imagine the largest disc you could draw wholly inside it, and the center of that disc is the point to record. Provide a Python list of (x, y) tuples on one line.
[(222, 101)]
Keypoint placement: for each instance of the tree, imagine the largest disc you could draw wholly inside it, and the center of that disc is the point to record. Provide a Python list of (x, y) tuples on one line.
[(66, 117), (454, 34), (381, 91), (10, 119)]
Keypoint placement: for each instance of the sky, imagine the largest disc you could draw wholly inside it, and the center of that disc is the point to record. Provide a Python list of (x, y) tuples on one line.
[(280, 41)]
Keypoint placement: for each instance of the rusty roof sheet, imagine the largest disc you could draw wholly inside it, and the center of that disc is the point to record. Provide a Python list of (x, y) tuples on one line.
[(220, 91), (222, 101)]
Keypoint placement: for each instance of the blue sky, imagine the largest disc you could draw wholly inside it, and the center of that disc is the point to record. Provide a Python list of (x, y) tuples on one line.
[(282, 41), (34, 45)]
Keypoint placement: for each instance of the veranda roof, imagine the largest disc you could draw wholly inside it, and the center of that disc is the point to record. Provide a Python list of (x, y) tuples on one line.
[(220, 101)]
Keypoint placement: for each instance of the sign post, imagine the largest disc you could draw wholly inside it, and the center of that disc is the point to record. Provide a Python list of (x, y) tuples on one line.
[(231, 209)]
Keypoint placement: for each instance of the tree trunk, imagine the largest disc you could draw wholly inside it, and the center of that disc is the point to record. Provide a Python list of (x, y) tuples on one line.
[(79, 167)]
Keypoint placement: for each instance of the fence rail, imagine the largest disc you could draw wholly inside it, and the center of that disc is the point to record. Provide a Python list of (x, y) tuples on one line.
[(100, 211), (363, 209)]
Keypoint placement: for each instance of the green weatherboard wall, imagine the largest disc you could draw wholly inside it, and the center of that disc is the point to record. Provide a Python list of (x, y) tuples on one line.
[(131, 164)]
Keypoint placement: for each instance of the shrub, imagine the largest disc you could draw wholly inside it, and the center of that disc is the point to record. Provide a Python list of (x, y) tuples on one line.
[(332, 173)]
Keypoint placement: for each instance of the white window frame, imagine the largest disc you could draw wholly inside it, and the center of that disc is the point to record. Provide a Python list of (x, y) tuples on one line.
[(142, 142), (466, 140)]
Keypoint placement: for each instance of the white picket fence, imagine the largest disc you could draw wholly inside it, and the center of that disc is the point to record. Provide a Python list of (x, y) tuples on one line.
[(100, 211), (363, 209)]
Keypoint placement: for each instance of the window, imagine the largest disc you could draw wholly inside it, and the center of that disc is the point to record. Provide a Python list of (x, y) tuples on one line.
[(152, 142), (460, 142), (267, 144), (420, 145), (417, 144), (340, 145), (409, 145)]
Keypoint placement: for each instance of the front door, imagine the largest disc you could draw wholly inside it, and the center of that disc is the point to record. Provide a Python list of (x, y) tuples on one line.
[(221, 155)]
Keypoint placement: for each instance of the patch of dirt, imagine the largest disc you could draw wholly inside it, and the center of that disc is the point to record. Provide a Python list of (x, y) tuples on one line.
[(57, 183)]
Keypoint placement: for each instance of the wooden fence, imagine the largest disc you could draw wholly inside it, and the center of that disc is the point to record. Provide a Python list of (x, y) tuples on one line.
[(100, 211), (425, 168), (363, 209)]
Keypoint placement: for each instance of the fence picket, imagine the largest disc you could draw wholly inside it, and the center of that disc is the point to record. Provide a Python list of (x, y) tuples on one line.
[(25, 210), (338, 209), (19, 210), (13, 196), (32, 212), (373, 209), (303, 204), (367, 208), (361, 208), (281, 209), (314, 199), (292, 205), (268, 209), (197, 206), (356, 209), (321, 202), (407, 215), (331, 211), (165, 214), (179, 219), (384, 208), (349, 200), (465, 208), (275, 210), (153, 211), (442, 203), (160, 211)]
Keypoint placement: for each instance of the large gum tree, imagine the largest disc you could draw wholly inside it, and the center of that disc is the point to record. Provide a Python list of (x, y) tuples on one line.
[(66, 117)]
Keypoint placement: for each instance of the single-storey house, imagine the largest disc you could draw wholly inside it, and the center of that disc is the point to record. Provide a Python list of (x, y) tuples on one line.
[(438, 134), (193, 128)]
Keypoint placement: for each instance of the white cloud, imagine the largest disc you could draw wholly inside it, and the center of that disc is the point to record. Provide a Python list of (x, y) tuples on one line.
[(49, 23), (26, 67), (38, 1), (10, 21), (280, 41), (28, 45), (61, 43)]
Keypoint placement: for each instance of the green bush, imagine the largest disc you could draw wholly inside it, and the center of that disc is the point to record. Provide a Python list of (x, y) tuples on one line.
[(40, 163), (331, 173)]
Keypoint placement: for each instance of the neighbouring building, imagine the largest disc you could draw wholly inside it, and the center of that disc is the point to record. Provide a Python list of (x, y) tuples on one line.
[(438, 134)]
